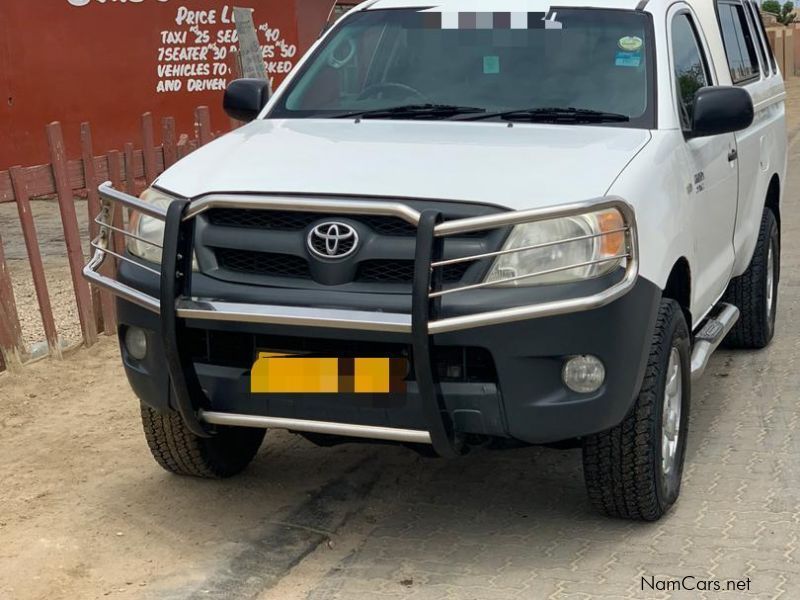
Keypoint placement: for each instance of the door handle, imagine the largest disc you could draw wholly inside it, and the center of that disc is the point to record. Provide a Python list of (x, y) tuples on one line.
[(733, 155)]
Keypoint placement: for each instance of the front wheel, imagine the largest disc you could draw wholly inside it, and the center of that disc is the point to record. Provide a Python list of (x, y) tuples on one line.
[(634, 470), (180, 451)]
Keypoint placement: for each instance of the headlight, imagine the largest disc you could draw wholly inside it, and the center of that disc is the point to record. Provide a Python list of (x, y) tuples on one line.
[(148, 228), (548, 250)]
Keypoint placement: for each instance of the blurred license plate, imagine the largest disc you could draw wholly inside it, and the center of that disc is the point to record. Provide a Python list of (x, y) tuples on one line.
[(289, 374)]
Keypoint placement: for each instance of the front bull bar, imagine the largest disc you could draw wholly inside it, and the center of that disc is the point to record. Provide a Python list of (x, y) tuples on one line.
[(176, 303)]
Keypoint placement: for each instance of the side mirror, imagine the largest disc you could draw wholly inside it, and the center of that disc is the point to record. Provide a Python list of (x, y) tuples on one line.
[(244, 98), (719, 110)]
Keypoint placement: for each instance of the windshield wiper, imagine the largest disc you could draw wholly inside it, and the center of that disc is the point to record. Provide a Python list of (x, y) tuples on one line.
[(556, 115), (413, 111)]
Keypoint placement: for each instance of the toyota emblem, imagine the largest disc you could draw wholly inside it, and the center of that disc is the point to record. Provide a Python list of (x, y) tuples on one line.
[(333, 240)]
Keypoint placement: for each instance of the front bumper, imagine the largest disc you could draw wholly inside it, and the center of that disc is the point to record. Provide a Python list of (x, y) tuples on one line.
[(526, 332), (523, 398)]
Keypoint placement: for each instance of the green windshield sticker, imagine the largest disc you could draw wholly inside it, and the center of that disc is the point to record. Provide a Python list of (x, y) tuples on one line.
[(630, 43), (491, 65), (628, 59)]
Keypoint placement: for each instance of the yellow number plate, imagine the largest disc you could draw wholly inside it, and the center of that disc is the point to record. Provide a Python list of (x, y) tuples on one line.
[(286, 374)]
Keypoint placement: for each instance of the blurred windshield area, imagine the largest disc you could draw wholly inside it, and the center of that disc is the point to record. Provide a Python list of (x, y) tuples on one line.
[(594, 59)]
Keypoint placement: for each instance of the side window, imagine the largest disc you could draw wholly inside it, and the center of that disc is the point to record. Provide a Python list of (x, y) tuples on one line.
[(691, 71), (751, 22), (738, 40), (760, 24)]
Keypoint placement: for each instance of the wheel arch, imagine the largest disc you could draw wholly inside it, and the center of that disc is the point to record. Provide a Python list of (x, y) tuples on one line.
[(679, 287), (773, 199)]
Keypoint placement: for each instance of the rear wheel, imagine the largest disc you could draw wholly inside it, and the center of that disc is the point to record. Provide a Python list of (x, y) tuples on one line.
[(180, 451), (755, 292), (634, 470)]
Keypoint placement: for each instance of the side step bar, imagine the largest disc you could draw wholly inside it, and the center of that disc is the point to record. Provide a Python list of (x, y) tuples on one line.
[(708, 339), (413, 436)]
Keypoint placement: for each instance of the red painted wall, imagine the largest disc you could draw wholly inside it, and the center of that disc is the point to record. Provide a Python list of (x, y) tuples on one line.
[(311, 20), (108, 61)]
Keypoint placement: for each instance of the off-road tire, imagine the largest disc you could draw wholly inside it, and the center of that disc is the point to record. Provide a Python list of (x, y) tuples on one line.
[(180, 451), (622, 466), (748, 292)]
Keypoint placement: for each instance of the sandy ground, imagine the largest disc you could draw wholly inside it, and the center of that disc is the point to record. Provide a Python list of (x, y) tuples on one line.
[(51, 242), (86, 513)]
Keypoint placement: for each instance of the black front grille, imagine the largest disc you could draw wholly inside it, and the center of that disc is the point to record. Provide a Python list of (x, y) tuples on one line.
[(286, 265), (384, 255), (386, 271), (298, 221), (262, 219), (402, 271), (263, 263), (390, 226), (393, 226)]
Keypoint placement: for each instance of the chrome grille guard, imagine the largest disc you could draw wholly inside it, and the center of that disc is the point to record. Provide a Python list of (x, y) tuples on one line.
[(176, 305), (214, 310)]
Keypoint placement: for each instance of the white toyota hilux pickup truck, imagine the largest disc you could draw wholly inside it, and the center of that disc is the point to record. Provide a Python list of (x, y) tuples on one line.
[(465, 223)]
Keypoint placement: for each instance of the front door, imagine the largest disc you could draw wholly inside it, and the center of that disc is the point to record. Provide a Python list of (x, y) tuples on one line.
[(711, 164)]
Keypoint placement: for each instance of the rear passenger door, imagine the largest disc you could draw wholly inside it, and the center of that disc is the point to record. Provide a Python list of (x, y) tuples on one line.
[(753, 67), (708, 164)]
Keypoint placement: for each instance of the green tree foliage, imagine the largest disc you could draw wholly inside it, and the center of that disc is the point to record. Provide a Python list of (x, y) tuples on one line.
[(690, 80), (785, 13)]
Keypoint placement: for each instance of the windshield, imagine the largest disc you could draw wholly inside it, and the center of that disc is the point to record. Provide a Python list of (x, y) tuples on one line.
[(461, 63)]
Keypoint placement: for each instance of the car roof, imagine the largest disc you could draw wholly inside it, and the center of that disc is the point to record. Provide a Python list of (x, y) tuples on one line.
[(703, 6)]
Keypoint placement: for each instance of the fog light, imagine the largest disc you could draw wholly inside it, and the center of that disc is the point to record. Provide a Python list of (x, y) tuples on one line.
[(584, 374), (136, 342)]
